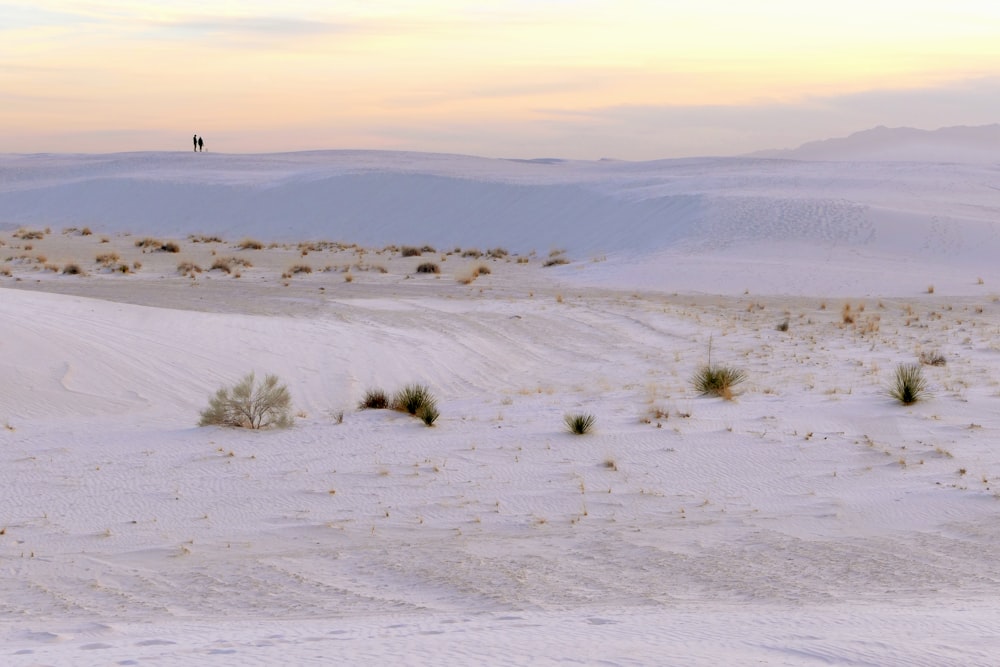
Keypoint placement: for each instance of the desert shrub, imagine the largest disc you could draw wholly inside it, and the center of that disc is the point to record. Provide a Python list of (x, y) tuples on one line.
[(555, 261), (222, 264), (250, 244), (427, 248), (908, 385), (29, 234), (932, 358), (428, 267), (108, 258), (188, 268), (202, 238), (428, 413), (374, 399), (250, 404), (579, 424), (72, 269), (412, 398), (169, 246), (147, 242), (410, 251), (300, 268), (474, 253), (783, 325), (716, 380), (497, 253), (86, 231)]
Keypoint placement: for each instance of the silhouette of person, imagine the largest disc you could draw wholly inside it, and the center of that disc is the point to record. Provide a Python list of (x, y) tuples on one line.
[(201, 144), (196, 143)]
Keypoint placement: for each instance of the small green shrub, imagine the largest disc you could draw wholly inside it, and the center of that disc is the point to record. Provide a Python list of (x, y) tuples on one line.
[(714, 380), (250, 404), (909, 385), (412, 398), (374, 399), (579, 424), (428, 413)]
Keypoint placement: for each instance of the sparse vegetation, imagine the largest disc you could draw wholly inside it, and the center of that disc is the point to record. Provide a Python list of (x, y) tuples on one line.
[(579, 424), (908, 385), (72, 269), (717, 380), (932, 358), (250, 404), (428, 267), (410, 251), (555, 261), (374, 399), (250, 244), (412, 398)]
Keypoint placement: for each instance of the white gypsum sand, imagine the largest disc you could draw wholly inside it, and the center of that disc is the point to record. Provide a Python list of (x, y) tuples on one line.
[(811, 519)]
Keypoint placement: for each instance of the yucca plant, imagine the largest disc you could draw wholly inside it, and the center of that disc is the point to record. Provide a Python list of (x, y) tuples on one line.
[(428, 413), (909, 385), (714, 380), (411, 398), (579, 424)]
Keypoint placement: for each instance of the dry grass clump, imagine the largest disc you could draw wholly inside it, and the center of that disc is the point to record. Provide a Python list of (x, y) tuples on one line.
[(428, 267), (472, 253), (226, 264), (300, 268), (250, 244), (374, 399), (148, 244), (497, 253), (202, 238), (481, 270), (908, 385), (556, 259), (108, 258), (29, 234), (410, 251), (932, 358), (73, 269), (189, 269), (846, 314), (579, 424)]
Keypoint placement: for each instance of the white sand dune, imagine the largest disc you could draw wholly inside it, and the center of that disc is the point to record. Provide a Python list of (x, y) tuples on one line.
[(811, 520)]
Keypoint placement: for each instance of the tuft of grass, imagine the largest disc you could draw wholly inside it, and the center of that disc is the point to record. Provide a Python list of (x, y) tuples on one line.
[(374, 399), (932, 358), (72, 269), (412, 398), (783, 326), (428, 413), (250, 244), (716, 380), (555, 261), (410, 251), (908, 385), (428, 267), (579, 424)]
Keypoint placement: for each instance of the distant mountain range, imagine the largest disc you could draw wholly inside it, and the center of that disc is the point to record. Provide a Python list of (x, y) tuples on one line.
[(902, 144)]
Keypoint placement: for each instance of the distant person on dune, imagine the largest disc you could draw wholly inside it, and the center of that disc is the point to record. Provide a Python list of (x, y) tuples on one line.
[(196, 143), (201, 144)]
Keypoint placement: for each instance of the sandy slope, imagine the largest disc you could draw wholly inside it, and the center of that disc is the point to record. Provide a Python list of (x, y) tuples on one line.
[(811, 520)]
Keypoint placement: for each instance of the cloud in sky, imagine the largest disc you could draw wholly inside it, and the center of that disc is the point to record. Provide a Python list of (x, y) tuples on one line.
[(632, 78)]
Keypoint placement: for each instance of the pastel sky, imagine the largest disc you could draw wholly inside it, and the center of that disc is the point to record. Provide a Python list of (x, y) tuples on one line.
[(629, 79)]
